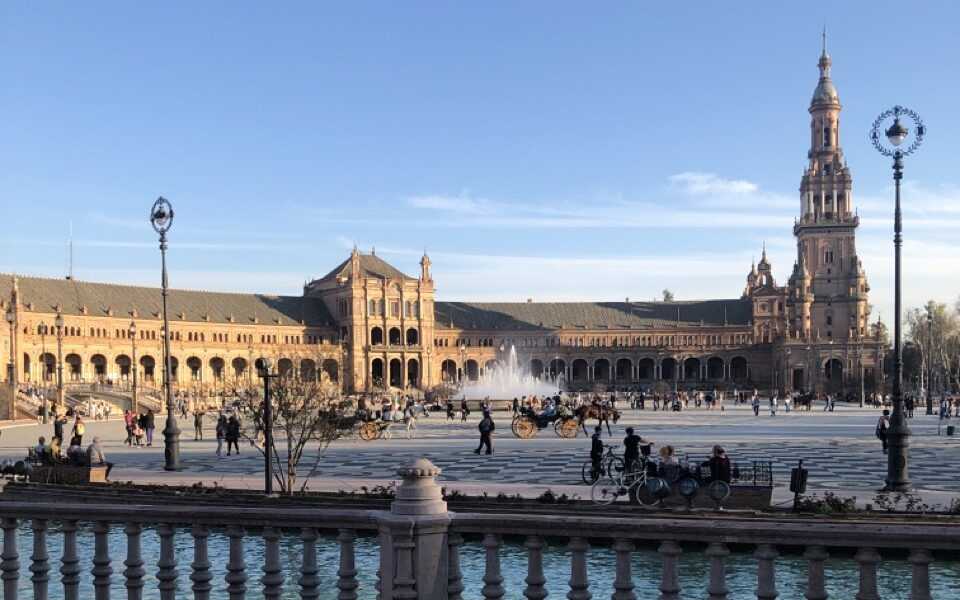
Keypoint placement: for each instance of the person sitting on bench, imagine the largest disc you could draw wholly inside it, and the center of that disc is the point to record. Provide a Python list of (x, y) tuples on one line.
[(96, 457)]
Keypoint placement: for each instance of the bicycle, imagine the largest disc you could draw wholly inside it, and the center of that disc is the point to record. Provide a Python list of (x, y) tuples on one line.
[(632, 483), (610, 465)]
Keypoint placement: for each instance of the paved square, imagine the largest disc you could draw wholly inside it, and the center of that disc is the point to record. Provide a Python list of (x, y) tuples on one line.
[(839, 448)]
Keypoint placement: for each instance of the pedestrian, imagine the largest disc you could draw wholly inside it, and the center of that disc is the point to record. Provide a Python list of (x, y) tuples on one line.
[(79, 428), (756, 404), (233, 434), (486, 427), (149, 425), (197, 425), (410, 420), (883, 426), (128, 424), (774, 403), (58, 422), (596, 453), (464, 410), (516, 406), (221, 433)]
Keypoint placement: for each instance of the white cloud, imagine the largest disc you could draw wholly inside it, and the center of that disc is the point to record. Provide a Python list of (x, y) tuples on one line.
[(692, 182), (458, 204)]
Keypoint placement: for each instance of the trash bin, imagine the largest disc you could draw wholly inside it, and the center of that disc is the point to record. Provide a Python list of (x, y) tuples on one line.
[(950, 429)]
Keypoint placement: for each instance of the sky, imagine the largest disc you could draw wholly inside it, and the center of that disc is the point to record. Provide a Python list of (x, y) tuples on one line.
[(542, 150)]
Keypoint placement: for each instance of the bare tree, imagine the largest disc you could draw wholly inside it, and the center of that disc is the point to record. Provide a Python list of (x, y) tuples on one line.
[(305, 415), (667, 295), (937, 338)]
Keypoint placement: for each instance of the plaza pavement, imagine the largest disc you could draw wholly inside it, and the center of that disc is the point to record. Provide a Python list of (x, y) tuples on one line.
[(838, 448)]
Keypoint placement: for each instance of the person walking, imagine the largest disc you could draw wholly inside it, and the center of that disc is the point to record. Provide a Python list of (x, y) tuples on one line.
[(197, 425), (128, 425), (883, 426), (233, 434), (464, 410), (755, 402), (149, 426), (486, 427), (774, 404), (410, 421), (221, 433)]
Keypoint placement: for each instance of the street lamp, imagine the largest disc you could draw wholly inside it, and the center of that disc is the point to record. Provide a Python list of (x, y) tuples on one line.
[(265, 369), (161, 217), (42, 330), (58, 323), (897, 479), (12, 378), (134, 400), (929, 361)]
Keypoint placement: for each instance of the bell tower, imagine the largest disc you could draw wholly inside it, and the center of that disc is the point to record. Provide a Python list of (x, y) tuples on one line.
[(828, 295)]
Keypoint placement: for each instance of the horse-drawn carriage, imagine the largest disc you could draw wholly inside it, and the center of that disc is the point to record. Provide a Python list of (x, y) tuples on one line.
[(528, 423)]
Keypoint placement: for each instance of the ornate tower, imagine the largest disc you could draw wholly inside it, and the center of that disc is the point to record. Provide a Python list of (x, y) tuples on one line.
[(828, 295)]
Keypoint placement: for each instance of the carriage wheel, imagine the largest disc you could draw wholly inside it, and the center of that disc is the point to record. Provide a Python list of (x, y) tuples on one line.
[(513, 426), (369, 431), (526, 428), (566, 428)]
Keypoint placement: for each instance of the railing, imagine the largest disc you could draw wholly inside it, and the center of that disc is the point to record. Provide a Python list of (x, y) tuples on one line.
[(420, 547)]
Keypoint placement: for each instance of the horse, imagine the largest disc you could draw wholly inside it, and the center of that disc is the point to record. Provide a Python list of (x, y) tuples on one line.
[(602, 414)]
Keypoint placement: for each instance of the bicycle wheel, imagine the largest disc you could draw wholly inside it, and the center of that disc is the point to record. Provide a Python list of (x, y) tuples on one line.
[(614, 468), (587, 473), (604, 492)]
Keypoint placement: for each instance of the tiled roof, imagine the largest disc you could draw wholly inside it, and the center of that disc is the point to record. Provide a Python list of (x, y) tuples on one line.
[(214, 307), (590, 315), (371, 265)]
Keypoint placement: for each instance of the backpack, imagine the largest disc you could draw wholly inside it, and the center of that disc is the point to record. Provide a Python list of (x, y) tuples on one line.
[(881, 428)]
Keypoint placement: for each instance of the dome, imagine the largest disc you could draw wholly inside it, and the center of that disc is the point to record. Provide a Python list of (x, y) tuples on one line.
[(825, 93)]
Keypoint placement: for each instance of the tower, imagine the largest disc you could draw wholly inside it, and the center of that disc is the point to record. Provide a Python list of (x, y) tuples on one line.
[(828, 295)]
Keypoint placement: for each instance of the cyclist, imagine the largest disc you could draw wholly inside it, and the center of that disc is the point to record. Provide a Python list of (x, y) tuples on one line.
[(596, 451), (632, 445)]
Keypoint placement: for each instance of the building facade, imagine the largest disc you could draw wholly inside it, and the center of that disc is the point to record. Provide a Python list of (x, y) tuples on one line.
[(366, 325)]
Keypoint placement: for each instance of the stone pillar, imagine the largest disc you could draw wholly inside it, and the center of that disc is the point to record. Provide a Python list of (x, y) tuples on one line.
[(413, 537)]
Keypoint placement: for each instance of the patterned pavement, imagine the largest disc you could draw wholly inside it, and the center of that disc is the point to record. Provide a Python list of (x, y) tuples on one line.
[(838, 448)]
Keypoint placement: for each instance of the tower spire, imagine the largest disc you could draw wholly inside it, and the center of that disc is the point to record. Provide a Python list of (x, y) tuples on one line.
[(823, 46)]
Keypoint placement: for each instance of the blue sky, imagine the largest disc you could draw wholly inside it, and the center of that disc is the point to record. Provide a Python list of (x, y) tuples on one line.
[(545, 150)]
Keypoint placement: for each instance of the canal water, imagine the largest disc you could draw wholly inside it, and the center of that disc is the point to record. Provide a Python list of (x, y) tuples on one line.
[(842, 573)]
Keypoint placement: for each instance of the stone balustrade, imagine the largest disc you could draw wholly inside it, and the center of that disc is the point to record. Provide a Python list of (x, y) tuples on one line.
[(421, 542)]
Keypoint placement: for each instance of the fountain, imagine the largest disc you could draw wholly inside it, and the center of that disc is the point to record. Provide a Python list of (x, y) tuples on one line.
[(507, 380)]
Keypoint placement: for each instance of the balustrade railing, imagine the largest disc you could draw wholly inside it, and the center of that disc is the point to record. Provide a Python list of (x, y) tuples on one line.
[(421, 547)]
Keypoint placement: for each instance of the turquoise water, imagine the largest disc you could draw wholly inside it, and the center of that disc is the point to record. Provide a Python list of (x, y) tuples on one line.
[(842, 575)]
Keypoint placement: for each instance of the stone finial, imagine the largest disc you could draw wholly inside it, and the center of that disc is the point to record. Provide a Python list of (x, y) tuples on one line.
[(418, 493)]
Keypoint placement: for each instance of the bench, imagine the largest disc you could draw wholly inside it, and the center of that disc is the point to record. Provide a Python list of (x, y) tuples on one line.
[(69, 474)]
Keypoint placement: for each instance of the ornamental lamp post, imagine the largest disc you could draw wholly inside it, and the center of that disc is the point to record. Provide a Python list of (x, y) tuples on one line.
[(12, 373), (58, 323), (265, 368), (161, 217), (896, 134), (929, 361), (134, 400), (42, 330)]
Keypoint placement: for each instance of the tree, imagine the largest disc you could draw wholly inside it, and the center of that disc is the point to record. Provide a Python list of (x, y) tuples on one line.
[(667, 295), (304, 414), (937, 343)]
